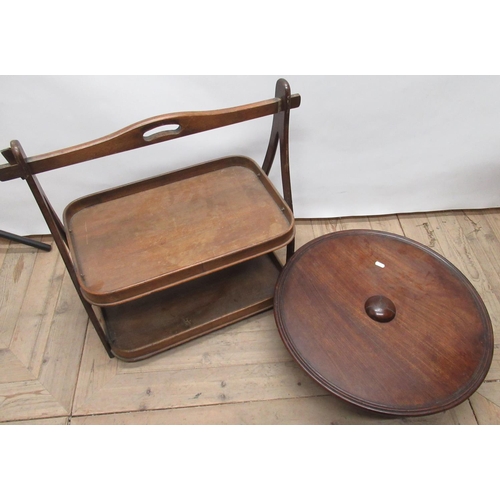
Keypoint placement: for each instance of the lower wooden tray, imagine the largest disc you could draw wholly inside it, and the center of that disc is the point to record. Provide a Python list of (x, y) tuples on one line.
[(165, 319)]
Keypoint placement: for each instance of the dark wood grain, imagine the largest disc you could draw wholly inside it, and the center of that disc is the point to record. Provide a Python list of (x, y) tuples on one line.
[(431, 356)]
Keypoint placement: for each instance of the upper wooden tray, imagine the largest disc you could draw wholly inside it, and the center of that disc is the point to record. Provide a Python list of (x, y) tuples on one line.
[(139, 238)]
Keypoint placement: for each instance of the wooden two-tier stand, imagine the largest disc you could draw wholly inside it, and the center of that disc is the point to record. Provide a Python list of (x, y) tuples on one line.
[(167, 259)]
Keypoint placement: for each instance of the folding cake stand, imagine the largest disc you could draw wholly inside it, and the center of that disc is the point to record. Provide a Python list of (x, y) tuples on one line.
[(167, 259), (375, 318)]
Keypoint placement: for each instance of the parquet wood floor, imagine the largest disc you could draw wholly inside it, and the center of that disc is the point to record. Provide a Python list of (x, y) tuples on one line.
[(53, 369)]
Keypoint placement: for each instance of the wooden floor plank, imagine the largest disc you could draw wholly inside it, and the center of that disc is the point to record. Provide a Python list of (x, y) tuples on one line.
[(445, 228), (250, 342), (315, 410), (239, 375), (355, 223), (303, 232), (40, 421), (27, 400), (96, 370), (494, 373), (418, 228), (15, 275), (493, 218), (64, 347), (491, 391), (387, 223), (33, 327), (486, 412), (4, 247), (200, 387), (485, 245), (12, 369), (325, 226), (44, 325)]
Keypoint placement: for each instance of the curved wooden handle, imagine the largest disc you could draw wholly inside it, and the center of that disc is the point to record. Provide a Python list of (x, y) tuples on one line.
[(142, 134), (176, 125)]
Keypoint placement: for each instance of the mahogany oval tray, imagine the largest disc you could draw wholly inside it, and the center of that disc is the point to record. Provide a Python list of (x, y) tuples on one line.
[(384, 322)]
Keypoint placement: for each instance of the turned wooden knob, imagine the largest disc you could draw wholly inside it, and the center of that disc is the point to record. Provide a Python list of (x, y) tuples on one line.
[(380, 308)]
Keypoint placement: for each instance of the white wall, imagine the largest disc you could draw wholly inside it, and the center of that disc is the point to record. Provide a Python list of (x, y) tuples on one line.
[(359, 145)]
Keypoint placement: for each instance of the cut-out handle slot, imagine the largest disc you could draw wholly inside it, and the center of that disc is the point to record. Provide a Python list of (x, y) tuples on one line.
[(161, 131)]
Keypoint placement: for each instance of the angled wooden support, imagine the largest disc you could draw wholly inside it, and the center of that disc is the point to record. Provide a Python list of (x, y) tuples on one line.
[(58, 232), (279, 135)]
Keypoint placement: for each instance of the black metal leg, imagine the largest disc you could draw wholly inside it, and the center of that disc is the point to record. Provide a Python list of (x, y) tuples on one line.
[(26, 241)]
